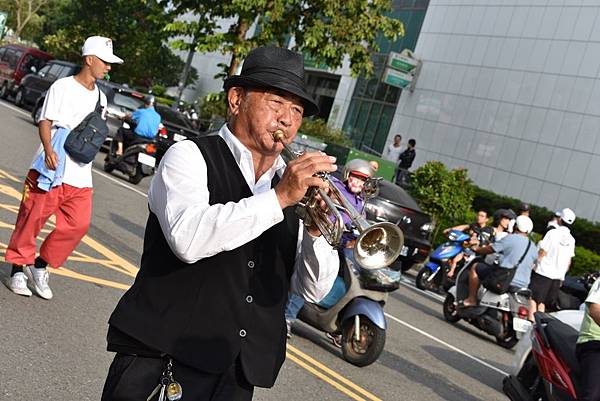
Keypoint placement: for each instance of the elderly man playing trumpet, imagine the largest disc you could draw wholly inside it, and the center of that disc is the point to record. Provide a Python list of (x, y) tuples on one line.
[(205, 316)]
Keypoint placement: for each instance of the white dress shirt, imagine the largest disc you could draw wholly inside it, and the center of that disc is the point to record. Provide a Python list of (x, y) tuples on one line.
[(194, 230)]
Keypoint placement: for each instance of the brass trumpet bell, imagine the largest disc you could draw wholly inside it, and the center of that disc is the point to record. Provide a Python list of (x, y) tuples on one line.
[(378, 246)]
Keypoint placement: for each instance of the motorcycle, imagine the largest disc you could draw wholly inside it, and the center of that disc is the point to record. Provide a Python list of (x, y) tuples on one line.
[(503, 316), (574, 291), (553, 347), (433, 275), (137, 161), (358, 316)]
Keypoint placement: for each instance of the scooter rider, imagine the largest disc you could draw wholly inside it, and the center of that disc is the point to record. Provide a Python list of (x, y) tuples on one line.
[(147, 122), (588, 347), (320, 283), (511, 249)]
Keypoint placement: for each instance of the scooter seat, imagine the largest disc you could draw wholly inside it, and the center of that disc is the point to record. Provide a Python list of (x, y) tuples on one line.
[(563, 339), (526, 292)]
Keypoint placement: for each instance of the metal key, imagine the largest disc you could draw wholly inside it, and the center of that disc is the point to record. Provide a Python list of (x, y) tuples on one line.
[(163, 389), (154, 392)]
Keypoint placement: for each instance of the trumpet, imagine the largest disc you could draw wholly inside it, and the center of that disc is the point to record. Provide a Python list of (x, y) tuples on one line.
[(377, 246)]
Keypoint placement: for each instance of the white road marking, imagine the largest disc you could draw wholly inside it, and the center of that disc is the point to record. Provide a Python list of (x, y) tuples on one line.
[(94, 169), (452, 347)]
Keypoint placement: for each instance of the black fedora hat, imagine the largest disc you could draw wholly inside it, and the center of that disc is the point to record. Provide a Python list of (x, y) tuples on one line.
[(275, 67)]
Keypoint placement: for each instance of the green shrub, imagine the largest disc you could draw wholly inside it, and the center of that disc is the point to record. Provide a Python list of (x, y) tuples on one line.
[(446, 195), (319, 129), (584, 261)]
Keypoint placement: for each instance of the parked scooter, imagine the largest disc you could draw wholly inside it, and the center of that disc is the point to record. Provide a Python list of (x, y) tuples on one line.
[(504, 316), (433, 275), (553, 346), (137, 161), (358, 316), (552, 373), (574, 291)]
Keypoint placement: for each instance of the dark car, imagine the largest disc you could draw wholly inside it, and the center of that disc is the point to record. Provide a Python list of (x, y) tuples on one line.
[(34, 85), (393, 204), (175, 127), (16, 62)]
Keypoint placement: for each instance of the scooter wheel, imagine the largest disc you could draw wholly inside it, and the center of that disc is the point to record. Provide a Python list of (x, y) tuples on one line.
[(137, 175), (367, 349), (509, 340), (421, 281), (450, 312)]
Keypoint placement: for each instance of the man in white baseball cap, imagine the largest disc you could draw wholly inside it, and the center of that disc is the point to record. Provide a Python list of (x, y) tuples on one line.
[(102, 48), (69, 197), (555, 253)]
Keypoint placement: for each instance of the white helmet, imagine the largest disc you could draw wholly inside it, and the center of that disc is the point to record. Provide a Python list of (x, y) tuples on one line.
[(567, 215), (358, 167), (524, 224)]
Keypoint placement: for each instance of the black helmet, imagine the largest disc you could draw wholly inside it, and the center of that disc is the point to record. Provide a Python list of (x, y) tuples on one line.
[(523, 207), (501, 213)]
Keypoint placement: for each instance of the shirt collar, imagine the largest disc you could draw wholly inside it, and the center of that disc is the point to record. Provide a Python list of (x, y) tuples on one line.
[(243, 157)]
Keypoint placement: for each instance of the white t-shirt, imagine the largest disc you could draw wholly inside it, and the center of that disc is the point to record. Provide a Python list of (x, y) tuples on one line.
[(67, 103), (559, 246), (392, 153)]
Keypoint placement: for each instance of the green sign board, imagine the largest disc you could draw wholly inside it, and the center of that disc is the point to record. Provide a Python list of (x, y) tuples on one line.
[(397, 78), (3, 18), (401, 62)]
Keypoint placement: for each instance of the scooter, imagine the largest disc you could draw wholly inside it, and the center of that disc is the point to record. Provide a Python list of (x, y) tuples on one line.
[(358, 316), (137, 161), (433, 275), (553, 347), (503, 316), (574, 291)]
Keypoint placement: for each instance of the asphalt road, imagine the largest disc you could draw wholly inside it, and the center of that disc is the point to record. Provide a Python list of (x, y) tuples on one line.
[(55, 350)]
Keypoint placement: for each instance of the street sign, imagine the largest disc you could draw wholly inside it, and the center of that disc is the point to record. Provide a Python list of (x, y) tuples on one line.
[(3, 18), (401, 62), (397, 78)]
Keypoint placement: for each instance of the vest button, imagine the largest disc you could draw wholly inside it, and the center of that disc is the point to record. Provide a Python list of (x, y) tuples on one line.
[(249, 299), (242, 333), (251, 264)]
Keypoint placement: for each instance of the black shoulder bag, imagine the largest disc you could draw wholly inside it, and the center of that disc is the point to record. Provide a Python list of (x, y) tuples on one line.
[(498, 281), (85, 140)]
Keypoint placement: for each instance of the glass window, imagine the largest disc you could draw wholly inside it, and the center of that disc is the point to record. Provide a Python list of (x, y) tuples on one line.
[(14, 58), (44, 71), (55, 70), (128, 102), (66, 71)]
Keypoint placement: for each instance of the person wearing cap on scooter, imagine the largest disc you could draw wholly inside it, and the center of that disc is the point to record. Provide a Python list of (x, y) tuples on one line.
[(323, 286), (556, 250), (511, 249), (69, 194), (147, 122)]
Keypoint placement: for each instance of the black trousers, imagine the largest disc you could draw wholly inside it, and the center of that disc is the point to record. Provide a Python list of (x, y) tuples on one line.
[(132, 378), (588, 355)]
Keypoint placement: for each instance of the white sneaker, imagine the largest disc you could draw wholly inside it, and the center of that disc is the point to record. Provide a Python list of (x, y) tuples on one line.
[(18, 284), (39, 279)]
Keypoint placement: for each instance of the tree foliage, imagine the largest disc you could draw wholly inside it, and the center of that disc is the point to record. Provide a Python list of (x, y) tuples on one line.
[(446, 195), (26, 17), (326, 30), (137, 30)]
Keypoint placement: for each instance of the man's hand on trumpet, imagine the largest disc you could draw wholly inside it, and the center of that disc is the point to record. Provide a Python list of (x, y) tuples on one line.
[(299, 175)]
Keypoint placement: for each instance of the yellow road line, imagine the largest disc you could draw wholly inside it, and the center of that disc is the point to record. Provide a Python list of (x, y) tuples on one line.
[(332, 373), (326, 379), (61, 271), (4, 174)]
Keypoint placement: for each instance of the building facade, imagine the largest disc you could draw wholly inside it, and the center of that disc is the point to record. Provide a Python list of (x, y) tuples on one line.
[(510, 90)]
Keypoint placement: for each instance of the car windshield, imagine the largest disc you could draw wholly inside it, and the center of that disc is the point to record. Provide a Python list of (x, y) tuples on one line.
[(127, 102), (171, 116)]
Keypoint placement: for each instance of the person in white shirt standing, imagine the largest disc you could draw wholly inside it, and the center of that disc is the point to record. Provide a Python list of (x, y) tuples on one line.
[(69, 196), (393, 150), (555, 253)]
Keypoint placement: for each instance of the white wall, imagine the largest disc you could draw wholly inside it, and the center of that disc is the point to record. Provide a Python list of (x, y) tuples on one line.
[(511, 91)]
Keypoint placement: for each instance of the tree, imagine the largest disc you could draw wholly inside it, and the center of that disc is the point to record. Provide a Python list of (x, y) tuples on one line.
[(446, 195), (325, 30), (25, 17), (136, 27)]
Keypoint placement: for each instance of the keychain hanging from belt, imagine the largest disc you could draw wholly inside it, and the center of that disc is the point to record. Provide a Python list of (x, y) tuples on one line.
[(167, 388)]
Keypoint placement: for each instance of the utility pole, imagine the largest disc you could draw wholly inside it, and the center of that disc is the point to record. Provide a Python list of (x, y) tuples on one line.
[(184, 74)]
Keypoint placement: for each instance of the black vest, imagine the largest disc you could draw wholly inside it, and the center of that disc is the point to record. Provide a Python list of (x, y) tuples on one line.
[(207, 313)]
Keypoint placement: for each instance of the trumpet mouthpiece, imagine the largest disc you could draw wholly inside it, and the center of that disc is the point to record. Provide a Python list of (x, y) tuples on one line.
[(278, 136)]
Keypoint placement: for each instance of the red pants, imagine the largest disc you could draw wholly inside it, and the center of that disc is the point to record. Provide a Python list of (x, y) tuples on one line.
[(73, 210)]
